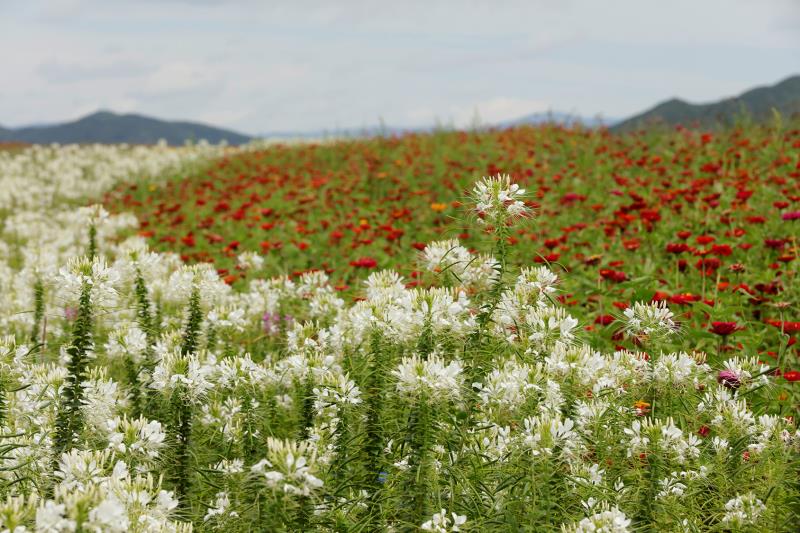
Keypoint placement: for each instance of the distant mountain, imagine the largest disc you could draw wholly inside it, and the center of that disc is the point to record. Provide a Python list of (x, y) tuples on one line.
[(757, 104), (565, 119), (555, 117), (106, 127)]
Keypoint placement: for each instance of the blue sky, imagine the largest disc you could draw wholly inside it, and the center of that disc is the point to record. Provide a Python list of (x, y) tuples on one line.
[(305, 65)]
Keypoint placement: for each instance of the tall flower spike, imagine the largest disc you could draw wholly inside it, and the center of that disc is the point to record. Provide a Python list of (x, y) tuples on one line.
[(650, 321), (498, 201)]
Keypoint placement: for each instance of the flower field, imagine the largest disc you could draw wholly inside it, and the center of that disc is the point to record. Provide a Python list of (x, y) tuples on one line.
[(535, 329)]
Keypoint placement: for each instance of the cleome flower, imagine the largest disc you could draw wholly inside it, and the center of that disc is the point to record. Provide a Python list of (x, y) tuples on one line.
[(430, 377), (138, 438), (649, 321), (606, 519), (187, 372), (544, 435), (443, 522), (743, 510), (498, 200), (289, 467)]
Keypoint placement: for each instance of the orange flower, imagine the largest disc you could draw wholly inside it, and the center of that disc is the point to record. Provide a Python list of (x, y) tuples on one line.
[(642, 407), (438, 207)]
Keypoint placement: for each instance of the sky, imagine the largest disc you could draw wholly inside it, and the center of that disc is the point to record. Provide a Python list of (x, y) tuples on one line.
[(269, 66)]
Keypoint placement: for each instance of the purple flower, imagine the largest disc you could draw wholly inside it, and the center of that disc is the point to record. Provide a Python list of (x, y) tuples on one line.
[(272, 322), (791, 215), (729, 379)]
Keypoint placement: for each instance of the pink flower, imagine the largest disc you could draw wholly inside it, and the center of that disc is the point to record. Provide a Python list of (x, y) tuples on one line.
[(791, 215), (729, 379)]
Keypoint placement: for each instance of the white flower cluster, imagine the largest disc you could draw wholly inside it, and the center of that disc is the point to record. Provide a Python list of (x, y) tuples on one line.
[(743, 510), (649, 321), (41, 176), (475, 272), (98, 497), (498, 200), (429, 376), (607, 519), (289, 467), (444, 522)]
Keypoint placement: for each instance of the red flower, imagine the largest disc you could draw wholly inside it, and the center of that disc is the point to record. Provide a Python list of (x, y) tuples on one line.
[(724, 328), (787, 327), (364, 262), (775, 244), (616, 276), (188, 240), (677, 247), (708, 265), (549, 258), (721, 249), (604, 320), (684, 298), (791, 375), (659, 296)]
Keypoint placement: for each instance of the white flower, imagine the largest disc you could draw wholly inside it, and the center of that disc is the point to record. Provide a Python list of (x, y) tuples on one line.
[(431, 376), (139, 437), (546, 433), (110, 515), (670, 487), (230, 466), (638, 441), (79, 469), (506, 386), (548, 326), (289, 467), (336, 392), (102, 399), (385, 284), (650, 320), (743, 510), (536, 283), (676, 369), (228, 317), (50, 518), (607, 520), (185, 371), (92, 273), (250, 260), (220, 507), (127, 341), (499, 200), (443, 522)]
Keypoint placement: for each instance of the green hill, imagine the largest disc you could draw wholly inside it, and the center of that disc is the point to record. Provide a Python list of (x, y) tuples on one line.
[(757, 104), (107, 127)]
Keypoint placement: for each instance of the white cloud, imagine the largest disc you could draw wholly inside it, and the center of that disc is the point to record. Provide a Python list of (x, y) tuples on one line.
[(265, 66), (179, 76)]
